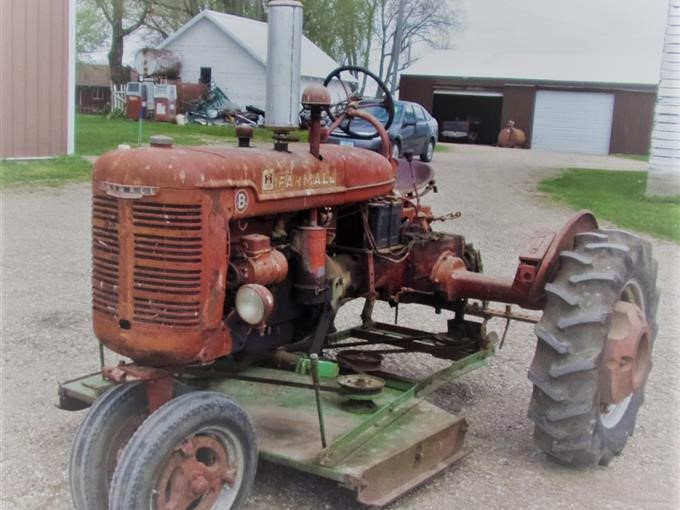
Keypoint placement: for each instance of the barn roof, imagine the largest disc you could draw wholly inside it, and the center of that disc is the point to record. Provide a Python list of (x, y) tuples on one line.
[(252, 36), (543, 67)]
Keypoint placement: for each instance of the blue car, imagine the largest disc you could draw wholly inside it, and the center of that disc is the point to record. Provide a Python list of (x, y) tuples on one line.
[(413, 130)]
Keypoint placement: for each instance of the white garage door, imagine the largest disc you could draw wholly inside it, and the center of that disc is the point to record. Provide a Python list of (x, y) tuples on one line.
[(572, 121)]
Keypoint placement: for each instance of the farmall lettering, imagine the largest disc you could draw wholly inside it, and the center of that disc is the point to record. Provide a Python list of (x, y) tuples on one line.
[(289, 180)]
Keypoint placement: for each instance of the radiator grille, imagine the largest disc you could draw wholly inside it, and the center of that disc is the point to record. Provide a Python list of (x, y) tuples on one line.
[(168, 256), (105, 251)]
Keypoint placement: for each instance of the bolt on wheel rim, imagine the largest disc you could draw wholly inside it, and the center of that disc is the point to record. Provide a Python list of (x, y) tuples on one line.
[(201, 473)]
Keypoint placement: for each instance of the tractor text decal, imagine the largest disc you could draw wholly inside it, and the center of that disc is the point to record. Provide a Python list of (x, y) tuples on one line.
[(287, 180)]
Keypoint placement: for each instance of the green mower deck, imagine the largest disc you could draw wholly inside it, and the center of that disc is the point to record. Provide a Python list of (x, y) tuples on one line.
[(380, 454)]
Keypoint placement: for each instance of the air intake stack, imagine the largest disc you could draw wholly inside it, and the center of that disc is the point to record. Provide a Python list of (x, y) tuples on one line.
[(283, 65)]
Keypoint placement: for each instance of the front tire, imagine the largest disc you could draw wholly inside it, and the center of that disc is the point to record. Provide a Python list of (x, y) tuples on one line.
[(198, 451), (575, 422), (101, 437), (428, 153)]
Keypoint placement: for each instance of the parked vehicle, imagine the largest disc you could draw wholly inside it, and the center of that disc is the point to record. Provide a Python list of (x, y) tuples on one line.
[(458, 131), (413, 130)]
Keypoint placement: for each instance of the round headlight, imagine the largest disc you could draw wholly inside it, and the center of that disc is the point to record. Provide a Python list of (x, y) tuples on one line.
[(254, 303)]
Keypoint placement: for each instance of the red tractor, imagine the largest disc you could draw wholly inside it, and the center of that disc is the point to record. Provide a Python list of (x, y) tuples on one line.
[(218, 273)]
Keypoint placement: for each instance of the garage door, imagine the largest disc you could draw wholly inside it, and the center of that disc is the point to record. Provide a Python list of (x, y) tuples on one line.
[(572, 121)]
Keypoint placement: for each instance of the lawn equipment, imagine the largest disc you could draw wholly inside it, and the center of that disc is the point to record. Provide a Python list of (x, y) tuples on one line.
[(218, 274)]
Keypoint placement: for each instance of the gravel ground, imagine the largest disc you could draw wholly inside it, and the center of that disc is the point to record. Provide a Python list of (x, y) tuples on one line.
[(46, 337)]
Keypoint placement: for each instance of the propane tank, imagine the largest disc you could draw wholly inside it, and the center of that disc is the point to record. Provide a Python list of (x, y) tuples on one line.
[(510, 136), (284, 43)]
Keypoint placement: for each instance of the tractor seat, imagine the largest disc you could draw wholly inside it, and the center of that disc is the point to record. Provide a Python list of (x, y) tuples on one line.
[(423, 173)]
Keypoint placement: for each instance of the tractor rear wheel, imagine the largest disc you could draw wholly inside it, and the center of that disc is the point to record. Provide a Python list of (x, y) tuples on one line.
[(594, 348), (196, 452), (100, 439)]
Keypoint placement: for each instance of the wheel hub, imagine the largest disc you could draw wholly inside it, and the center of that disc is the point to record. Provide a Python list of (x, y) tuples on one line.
[(627, 354), (194, 476)]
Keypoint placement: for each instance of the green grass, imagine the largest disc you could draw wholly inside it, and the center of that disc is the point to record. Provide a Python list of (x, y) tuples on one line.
[(44, 172), (618, 197), (96, 134), (442, 148)]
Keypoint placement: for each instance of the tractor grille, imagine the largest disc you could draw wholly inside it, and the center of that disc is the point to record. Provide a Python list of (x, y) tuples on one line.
[(167, 271), (105, 255)]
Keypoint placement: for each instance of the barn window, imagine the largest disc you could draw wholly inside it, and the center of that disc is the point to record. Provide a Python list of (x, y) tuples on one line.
[(98, 93)]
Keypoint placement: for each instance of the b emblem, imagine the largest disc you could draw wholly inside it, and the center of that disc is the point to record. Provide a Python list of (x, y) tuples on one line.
[(241, 200)]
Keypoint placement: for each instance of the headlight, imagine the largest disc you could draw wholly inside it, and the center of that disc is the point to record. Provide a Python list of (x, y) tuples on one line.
[(254, 303)]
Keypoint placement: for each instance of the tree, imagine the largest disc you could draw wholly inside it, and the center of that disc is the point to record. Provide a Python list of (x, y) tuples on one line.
[(342, 28), (124, 17), (348, 30), (91, 31), (426, 22), (167, 16)]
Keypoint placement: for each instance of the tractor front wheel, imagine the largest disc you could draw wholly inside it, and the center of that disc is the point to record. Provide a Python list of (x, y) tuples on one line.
[(594, 348), (196, 452), (101, 437)]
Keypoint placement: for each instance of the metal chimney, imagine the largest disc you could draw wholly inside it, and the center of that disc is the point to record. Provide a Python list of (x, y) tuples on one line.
[(284, 41)]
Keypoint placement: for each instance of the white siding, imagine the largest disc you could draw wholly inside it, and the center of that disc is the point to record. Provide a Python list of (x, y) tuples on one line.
[(572, 121), (664, 157), (234, 70)]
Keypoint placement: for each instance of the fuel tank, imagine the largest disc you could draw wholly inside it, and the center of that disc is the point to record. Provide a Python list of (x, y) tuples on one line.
[(161, 220)]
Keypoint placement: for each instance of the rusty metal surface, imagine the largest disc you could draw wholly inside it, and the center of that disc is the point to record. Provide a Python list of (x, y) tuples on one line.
[(315, 94), (627, 356), (262, 181), (195, 474), (258, 262), (537, 262), (159, 273), (511, 136)]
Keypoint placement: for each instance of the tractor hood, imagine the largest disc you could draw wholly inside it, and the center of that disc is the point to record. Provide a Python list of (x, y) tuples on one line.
[(340, 175)]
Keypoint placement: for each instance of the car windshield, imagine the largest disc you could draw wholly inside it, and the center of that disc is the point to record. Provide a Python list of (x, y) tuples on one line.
[(364, 127)]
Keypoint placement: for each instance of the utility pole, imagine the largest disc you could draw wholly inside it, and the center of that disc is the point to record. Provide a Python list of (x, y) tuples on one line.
[(396, 46)]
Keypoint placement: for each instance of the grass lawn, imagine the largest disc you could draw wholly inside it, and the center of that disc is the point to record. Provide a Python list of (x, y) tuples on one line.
[(95, 134), (44, 172), (618, 197)]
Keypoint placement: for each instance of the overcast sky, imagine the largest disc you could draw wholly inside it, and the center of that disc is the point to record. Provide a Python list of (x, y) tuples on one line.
[(621, 27)]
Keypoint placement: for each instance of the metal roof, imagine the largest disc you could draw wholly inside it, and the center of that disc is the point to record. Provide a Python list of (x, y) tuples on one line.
[(252, 36), (543, 67)]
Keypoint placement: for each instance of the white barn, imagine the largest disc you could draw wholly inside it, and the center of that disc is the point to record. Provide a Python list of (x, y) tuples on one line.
[(232, 52)]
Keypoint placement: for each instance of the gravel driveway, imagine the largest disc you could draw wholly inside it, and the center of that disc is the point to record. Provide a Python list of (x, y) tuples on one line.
[(46, 337)]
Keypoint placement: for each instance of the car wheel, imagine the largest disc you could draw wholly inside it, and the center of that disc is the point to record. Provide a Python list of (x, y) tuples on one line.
[(428, 153), (396, 150)]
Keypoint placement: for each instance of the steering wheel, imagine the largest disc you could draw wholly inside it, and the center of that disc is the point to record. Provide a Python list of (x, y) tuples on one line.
[(354, 84)]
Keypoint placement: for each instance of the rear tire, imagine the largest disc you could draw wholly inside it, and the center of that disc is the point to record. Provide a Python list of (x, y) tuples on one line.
[(196, 451), (572, 423), (101, 437)]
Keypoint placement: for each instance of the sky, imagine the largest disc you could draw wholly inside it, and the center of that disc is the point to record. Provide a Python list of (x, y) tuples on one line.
[(612, 27), (615, 27)]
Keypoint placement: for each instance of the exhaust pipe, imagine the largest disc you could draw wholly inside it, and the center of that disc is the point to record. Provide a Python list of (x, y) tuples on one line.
[(284, 43)]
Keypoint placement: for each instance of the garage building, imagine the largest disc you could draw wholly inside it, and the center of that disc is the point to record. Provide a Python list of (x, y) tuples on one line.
[(591, 104)]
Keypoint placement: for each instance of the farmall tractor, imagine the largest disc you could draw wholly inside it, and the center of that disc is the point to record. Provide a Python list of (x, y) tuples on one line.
[(217, 274)]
